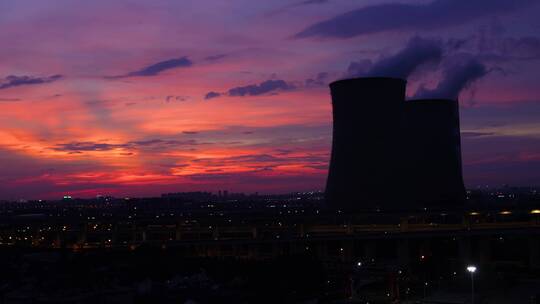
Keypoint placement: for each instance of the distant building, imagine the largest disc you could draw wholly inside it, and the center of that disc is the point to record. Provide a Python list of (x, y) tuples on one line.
[(197, 196)]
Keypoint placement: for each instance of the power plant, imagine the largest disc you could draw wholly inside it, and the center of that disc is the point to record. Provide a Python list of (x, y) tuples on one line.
[(388, 153), (432, 156)]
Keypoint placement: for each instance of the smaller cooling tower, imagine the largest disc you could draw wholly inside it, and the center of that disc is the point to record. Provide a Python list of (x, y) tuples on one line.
[(432, 156)]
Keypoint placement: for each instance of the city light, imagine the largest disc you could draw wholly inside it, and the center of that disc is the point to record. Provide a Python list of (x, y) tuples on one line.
[(471, 269)]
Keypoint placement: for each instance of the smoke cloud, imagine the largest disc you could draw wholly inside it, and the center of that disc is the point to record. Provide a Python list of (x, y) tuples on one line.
[(455, 80), (417, 52)]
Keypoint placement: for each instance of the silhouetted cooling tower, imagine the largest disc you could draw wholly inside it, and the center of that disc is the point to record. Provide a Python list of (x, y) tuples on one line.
[(367, 118), (433, 153)]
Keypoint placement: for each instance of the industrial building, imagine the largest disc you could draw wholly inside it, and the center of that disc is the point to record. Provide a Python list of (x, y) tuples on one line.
[(388, 153)]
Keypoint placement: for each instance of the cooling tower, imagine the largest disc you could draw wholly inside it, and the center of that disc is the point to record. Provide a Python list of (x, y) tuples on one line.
[(367, 116), (432, 156)]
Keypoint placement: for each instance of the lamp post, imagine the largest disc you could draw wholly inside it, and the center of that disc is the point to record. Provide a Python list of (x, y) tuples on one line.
[(472, 269), (353, 283)]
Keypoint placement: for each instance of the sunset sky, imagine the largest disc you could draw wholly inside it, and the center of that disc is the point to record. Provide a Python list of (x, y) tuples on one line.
[(142, 97)]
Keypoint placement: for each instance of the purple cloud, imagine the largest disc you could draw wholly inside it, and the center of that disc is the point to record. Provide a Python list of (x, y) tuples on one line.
[(397, 16), (473, 134), (156, 68), (15, 81), (215, 57), (262, 88), (255, 89), (79, 147), (523, 48), (320, 80), (171, 98), (211, 95)]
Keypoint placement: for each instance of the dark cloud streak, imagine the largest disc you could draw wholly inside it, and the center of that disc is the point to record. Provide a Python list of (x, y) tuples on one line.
[(9, 99), (15, 81), (215, 57), (157, 68), (211, 95), (88, 146), (295, 5), (397, 16), (320, 80), (262, 88)]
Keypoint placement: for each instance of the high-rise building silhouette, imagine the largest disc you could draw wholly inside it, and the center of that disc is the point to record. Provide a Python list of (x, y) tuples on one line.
[(391, 154)]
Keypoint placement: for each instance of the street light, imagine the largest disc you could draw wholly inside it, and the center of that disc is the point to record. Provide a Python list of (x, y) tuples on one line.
[(472, 270)]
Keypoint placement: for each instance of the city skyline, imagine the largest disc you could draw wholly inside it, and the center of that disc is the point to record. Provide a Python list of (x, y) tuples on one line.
[(139, 99)]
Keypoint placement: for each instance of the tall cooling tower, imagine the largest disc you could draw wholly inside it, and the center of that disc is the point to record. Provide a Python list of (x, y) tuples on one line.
[(432, 156), (367, 116)]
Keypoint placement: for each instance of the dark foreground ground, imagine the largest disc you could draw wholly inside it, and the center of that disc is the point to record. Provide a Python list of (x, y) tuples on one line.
[(154, 275), (158, 275)]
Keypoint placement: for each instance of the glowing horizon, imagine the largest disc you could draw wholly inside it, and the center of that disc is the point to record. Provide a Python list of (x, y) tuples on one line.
[(113, 98)]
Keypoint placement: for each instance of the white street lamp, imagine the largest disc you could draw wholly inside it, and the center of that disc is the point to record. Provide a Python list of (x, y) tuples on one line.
[(472, 270)]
